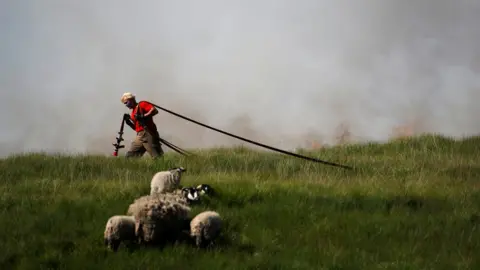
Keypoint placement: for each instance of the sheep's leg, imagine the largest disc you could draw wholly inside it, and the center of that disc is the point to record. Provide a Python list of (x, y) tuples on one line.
[(211, 240), (198, 241), (114, 244), (131, 245)]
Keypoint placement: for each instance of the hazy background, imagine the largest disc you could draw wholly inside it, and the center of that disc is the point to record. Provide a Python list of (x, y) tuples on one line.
[(287, 73)]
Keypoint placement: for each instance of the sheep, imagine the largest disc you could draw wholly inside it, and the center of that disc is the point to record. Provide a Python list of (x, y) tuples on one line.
[(166, 181), (158, 217), (119, 228), (176, 196), (205, 228)]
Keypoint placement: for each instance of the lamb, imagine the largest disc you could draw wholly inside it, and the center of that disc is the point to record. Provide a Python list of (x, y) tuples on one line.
[(158, 217), (119, 228), (205, 228), (166, 181)]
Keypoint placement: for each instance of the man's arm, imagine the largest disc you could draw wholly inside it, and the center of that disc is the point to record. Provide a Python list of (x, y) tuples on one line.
[(128, 121), (151, 110)]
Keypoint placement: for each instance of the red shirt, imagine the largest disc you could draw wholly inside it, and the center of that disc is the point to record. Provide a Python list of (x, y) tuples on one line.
[(144, 107)]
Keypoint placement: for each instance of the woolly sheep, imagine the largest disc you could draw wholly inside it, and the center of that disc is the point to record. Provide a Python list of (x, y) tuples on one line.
[(138, 203), (119, 228), (177, 196), (166, 181), (205, 227), (158, 217)]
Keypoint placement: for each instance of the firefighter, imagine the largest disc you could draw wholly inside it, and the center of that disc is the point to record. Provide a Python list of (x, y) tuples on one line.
[(140, 120)]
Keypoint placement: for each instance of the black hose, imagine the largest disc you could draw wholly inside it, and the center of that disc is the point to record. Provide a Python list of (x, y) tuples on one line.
[(253, 142), (174, 147)]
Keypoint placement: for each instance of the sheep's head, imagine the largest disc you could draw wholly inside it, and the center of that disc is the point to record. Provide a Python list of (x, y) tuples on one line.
[(178, 169), (191, 194), (205, 189)]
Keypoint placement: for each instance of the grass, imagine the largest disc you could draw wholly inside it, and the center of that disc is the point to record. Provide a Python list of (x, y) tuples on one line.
[(409, 204)]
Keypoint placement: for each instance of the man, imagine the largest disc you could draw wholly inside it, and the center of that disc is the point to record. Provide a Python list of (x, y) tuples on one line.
[(140, 120)]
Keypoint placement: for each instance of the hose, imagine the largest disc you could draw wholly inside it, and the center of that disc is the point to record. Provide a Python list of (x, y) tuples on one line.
[(253, 142)]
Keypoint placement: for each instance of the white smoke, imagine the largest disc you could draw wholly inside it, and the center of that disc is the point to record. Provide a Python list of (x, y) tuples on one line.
[(278, 71)]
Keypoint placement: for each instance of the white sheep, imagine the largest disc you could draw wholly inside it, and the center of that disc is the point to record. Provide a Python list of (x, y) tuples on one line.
[(205, 228), (158, 217), (166, 181), (119, 228), (177, 196)]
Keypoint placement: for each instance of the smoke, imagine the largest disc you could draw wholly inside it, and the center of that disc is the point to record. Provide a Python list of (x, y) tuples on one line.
[(282, 72)]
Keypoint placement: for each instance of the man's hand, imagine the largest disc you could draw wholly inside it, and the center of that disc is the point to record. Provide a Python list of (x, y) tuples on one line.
[(126, 116), (140, 116)]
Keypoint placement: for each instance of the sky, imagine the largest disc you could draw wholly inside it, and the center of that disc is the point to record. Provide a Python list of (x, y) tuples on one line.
[(285, 73)]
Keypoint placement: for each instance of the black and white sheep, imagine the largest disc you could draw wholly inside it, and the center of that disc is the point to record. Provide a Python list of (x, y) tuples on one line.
[(119, 228), (166, 181), (205, 228)]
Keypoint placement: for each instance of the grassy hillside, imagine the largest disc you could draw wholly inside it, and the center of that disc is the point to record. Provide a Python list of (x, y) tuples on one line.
[(410, 204)]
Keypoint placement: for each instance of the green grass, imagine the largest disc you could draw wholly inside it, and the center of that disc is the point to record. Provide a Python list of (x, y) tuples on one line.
[(409, 204)]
